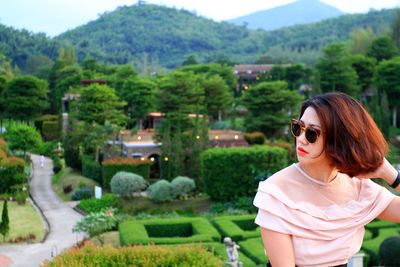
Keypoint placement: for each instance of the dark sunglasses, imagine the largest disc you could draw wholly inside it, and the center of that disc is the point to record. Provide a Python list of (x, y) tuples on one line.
[(311, 133)]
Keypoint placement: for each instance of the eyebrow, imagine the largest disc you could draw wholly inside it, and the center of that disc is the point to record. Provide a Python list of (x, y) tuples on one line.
[(312, 125)]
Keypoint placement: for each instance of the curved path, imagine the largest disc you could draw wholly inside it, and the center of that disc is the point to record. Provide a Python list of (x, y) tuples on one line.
[(59, 214)]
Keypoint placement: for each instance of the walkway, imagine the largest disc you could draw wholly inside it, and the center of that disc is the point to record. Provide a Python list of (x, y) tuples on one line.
[(59, 214)]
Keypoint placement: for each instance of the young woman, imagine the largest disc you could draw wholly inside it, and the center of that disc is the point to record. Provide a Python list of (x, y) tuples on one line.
[(313, 212)]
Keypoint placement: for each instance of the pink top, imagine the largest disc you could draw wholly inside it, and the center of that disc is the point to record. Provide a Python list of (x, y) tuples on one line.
[(326, 220)]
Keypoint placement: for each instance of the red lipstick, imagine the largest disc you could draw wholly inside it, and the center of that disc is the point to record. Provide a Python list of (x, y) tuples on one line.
[(301, 151)]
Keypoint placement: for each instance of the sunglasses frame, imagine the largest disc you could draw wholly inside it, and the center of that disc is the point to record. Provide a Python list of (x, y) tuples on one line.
[(305, 129)]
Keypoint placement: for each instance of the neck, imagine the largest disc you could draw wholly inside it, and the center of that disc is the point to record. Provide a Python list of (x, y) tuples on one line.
[(323, 173)]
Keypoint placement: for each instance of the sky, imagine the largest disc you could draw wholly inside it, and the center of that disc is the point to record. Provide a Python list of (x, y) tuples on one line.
[(56, 16)]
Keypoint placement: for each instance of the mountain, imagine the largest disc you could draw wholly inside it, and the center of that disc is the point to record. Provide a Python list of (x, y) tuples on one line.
[(299, 12)]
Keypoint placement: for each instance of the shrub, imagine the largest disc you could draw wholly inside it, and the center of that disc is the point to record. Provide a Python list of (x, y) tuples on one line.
[(98, 205), (255, 138), (182, 186), (72, 157), (46, 148), (3, 155), (125, 183), (45, 118), (81, 193), (161, 191), (389, 251), (145, 256), (67, 188), (50, 130), (57, 166), (15, 163), (227, 172), (3, 145), (91, 168), (111, 167)]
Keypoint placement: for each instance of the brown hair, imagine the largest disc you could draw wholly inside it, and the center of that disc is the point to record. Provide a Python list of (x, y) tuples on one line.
[(352, 141)]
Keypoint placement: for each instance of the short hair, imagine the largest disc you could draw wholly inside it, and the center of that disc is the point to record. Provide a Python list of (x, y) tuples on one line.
[(352, 140)]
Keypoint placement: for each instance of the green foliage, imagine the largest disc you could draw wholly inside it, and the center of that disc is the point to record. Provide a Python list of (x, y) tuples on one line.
[(389, 251), (5, 221), (46, 148), (193, 255), (125, 183), (40, 120), (97, 205), (237, 204), (255, 138), (182, 186), (161, 191), (254, 249), (3, 145), (364, 67), (91, 168), (335, 71), (135, 232), (50, 130), (223, 167), (268, 105), (111, 167), (381, 48), (237, 228), (81, 193), (22, 137)]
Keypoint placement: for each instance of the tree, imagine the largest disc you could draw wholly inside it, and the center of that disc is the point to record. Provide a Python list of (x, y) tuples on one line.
[(34, 62), (122, 74), (5, 221), (364, 67), (361, 40), (3, 87), (296, 75), (190, 60), (335, 71), (270, 107), (396, 30), (382, 48), (387, 80), (277, 73), (25, 97), (22, 137)]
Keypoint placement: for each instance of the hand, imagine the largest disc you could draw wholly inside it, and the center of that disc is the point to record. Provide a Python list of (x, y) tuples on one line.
[(385, 171)]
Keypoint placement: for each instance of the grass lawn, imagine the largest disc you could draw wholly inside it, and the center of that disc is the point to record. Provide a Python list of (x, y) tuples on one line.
[(70, 177), (24, 220)]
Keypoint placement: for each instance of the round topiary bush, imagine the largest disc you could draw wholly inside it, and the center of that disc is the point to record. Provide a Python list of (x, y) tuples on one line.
[(389, 251), (161, 191), (125, 183), (182, 186)]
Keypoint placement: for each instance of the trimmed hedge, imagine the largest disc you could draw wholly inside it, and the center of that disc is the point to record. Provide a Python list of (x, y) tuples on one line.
[(91, 168), (220, 250), (187, 255), (254, 249), (50, 130), (237, 227), (255, 138), (227, 172), (167, 231), (40, 121), (112, 166)]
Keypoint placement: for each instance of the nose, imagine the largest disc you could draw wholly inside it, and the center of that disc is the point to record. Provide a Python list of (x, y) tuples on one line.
[(302, 137)]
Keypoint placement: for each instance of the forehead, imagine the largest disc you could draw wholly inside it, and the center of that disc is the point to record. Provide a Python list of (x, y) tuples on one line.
[(310, 117)]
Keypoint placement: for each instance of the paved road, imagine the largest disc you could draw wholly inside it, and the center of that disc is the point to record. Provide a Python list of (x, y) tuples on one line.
[(59, 214)]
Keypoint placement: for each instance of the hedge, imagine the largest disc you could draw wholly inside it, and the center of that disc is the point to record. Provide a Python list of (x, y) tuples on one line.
[(112, 166), (39, 121), (254, 249), (50, 130), (91, 168), (167, 231), (145, 256), (227, 172), (12, 172), (98, 205), (237, 227)]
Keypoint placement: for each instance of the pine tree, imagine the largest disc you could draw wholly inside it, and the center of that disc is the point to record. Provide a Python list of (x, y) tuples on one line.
[(4, 225)]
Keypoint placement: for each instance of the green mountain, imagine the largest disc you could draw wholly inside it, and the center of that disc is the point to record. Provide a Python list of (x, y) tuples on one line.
[(150, 35), (299, 12)]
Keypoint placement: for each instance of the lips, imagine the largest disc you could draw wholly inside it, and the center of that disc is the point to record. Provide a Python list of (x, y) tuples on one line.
[(301, 151)]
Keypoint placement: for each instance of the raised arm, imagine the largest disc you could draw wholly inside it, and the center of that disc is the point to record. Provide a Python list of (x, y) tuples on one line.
[(279, 248)]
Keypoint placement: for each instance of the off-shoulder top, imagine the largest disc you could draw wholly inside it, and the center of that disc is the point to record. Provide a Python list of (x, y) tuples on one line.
[(325, 220)]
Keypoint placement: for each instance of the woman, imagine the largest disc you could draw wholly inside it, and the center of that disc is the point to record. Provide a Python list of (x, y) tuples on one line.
[(313, 213)]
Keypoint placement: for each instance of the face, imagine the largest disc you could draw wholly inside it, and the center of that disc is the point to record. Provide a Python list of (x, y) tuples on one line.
[(310, 153)]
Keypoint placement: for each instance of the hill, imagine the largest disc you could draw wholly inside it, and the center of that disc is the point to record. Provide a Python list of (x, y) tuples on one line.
[(151, 35), (299, 12)]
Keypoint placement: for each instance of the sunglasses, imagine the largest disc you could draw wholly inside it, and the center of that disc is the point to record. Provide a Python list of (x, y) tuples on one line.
[(310, 133)]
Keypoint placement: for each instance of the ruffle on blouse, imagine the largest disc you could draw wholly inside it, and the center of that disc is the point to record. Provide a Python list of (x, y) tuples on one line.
[(309, 220)]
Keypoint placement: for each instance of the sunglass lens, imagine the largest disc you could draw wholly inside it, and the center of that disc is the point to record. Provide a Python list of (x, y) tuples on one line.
[(296, 128), (311, 135)]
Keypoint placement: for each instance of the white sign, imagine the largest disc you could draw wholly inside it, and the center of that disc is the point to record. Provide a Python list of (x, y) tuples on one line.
[(97, 192)]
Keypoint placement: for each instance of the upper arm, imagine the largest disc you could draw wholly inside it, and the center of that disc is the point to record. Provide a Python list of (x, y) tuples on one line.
[(392, 211), (279, 248)]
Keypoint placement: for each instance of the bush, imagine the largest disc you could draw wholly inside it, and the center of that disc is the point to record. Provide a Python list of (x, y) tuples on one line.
[(46, 148), (125, 183), (50, 130), (98, 205), (91, 168), (3, 145), (57, 166), (81, 193), (111, 167), (3, 155), (182, 186), (255, 138), (45, 118), (389, 251), (71, 155), (161, 191), (145, 256), (227, 172)]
